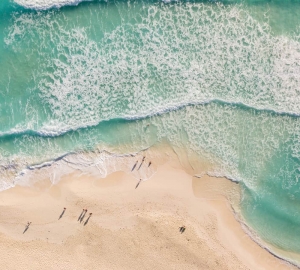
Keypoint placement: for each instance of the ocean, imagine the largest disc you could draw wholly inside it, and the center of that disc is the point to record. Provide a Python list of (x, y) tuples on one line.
[(88, 83)]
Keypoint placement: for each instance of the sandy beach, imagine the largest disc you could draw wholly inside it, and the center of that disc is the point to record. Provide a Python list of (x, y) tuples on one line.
[(129, 228)]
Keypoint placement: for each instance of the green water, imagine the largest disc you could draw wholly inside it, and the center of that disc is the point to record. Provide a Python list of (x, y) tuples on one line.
[(217, 79)]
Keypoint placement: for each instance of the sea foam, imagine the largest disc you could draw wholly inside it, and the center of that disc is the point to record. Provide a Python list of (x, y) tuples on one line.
[(47, 4), (171, 57)]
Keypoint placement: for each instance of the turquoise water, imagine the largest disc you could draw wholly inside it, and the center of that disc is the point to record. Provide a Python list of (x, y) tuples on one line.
[(219, 79)]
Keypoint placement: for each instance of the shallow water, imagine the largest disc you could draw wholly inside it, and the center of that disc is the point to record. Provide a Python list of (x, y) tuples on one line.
[(219, 80)]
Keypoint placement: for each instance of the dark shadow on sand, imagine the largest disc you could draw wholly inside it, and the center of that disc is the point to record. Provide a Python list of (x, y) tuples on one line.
[(61, 215), (138, 184), (182, 229), (86, 222), (134, 166), (81, 215), (27, 227), (141, 163)]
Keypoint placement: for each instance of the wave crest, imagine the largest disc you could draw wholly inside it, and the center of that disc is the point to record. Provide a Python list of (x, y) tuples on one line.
[(184, 54), (47, 4)]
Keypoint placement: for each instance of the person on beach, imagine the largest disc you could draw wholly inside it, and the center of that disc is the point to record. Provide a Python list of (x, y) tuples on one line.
[(138, 184), (27, 226), (87, 219), (62, 213), (149, 164), (83, 215), (134, 165), (182, 229), (141, 163)]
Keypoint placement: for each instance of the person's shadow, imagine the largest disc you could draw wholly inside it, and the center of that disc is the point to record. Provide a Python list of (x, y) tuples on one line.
[(134, 166), (81, 215), (61, 215), (87, 220), (182, 229), (138, 184), (141, 163), (27, 227)]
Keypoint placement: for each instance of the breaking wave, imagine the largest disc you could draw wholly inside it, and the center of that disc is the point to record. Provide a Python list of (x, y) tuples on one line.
[(171, 56), (47, 4)]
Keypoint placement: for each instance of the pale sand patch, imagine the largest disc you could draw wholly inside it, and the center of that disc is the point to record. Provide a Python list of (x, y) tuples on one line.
[(130, 228)]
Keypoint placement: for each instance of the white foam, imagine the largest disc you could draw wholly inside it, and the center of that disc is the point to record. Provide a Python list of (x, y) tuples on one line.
[(168, 66), (99, 164), (185, 54), (47, 4)]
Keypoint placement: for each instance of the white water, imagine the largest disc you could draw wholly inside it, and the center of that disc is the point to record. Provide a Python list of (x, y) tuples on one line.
[(198, 54), (47, 4)]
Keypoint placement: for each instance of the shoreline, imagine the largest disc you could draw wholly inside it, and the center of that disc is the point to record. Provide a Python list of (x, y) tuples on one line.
[(266, 246), (140, 221), (262, 244)]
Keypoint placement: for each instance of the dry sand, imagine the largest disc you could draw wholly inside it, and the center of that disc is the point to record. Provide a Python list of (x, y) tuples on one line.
[(129, 228)]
